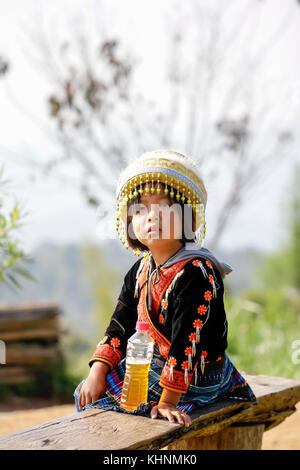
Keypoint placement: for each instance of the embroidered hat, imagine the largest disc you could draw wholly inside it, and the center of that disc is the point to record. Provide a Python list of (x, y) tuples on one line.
[(165, 167)]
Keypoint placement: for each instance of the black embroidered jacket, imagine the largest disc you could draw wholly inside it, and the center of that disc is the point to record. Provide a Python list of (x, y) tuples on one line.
[(187, 318)]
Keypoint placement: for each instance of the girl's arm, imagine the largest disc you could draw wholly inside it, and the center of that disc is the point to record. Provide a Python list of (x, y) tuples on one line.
[(95, 384), (170, 397)]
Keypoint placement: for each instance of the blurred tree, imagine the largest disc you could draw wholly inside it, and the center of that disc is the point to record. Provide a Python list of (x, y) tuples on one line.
[(4, 66), (209, 104), (12, 257)]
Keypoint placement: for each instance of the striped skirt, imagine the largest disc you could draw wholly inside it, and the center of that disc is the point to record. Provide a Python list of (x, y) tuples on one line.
[(219, 381)]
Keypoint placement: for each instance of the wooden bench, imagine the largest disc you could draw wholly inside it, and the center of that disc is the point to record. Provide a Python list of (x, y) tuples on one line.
[(223, 425)]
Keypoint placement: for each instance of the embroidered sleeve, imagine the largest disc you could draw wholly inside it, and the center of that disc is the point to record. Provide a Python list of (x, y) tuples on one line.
[(112, 348), (199, 325)]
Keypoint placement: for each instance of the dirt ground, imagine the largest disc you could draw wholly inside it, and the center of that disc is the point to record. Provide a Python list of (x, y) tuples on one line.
[(19, 413)]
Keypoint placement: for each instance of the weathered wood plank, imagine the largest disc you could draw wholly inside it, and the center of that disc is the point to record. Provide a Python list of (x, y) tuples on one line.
[(25, 324), (28, 310), (27, 316), (30, 334), (101, 430), (30, 355), (7, 371), (96, 429), (277, 398)]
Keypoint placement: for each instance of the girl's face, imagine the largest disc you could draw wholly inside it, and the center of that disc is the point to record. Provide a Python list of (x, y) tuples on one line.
[(156, 221)]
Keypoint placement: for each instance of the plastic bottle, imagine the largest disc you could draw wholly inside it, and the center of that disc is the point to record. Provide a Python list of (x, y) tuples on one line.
[(139, 355)]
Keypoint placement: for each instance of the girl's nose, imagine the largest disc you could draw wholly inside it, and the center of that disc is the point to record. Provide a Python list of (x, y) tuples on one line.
[(152, 214)]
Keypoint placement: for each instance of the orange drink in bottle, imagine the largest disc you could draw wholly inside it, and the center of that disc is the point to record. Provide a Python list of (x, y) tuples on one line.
[(138, 359)]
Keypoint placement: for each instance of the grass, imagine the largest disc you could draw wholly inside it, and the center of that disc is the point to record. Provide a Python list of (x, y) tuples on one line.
[(263, 328)]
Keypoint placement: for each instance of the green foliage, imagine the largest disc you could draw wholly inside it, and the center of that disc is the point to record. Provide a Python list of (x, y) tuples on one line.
[(77, 349), (55, 380), (262, 329), (294, 224), (12, 257), (5, 391), (265, 322)]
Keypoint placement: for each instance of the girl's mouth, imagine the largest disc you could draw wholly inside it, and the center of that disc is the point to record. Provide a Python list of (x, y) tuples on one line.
[(153, 231)]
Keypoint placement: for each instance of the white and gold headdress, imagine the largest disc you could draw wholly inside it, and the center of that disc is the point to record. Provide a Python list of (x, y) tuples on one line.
[(168, 168)]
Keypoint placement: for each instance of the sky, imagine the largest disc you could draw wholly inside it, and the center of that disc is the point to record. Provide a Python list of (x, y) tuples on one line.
[(57, 212)]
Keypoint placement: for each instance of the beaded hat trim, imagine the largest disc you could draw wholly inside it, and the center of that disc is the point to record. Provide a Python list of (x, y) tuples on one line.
[(165, 167)]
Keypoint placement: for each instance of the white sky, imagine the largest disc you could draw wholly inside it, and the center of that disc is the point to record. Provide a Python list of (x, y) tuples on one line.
[(57, 212)]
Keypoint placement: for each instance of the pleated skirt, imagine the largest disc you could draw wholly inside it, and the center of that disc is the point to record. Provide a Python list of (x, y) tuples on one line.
[(219, 382)]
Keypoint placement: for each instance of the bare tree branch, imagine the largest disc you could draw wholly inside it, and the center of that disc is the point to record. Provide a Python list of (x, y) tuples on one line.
[(100, 117)]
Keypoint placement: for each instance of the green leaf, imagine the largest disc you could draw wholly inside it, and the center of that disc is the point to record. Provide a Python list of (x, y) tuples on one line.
[(3, 222), (12, 246), (15, 213), (14, 281), (23, 272)]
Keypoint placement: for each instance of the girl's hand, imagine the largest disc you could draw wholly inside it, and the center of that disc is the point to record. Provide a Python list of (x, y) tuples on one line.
[(94, 386), (167, 410)]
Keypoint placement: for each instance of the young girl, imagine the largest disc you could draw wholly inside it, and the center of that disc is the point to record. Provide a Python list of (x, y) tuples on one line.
[(177, 287)]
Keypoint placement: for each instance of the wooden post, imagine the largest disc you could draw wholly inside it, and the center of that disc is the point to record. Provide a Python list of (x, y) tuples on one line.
[(235, 437)]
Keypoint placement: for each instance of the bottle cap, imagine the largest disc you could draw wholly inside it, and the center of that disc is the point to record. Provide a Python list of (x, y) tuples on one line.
[(142, 325)]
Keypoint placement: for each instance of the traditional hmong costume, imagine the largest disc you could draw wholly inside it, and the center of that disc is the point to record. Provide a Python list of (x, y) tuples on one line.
[(182, 300)]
